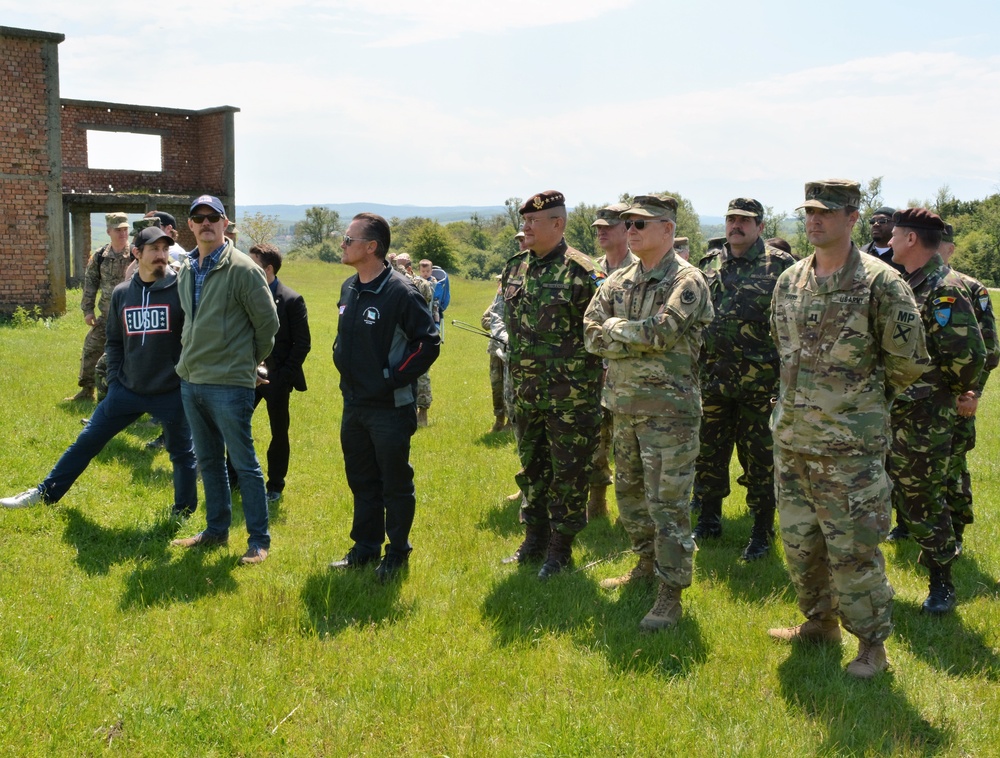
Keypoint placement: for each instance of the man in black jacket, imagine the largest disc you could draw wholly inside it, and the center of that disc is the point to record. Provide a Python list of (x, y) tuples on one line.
[(143, 344), (386, 338)]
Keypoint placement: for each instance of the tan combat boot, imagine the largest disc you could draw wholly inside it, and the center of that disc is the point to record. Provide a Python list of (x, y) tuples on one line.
[(597, 507), (642, 570), (85, 393), (813, 630), (421, 417), (498, 424), (666, 611), (870, 661)]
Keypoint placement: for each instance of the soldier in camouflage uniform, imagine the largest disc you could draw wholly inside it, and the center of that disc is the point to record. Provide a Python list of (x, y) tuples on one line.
[(609, 228), (739, 374), (849, 338), (923, 417), (958, 482), (556, 401), (105, 271), (404, 265), (646, 322)]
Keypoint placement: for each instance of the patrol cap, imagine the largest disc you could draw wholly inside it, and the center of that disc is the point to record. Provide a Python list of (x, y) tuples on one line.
[(402, 258), (832, 194), (142, 223), (166, 219), (681, 243), (543, 201), (745, 206), (519, 235), (150, 234), (611, 215), (716, 243), (211, 201), (948, 235), (918, 218), (653, 206), (116, 220)]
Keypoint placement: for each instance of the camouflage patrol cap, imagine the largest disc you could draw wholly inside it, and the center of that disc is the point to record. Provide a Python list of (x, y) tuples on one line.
[(681, 243), (948, 235), (832, 194), (745, 206), (543, 201), (918, 218), (116, 220), (402, 258), (716, 243), (611, 215), (144, 223), (653, 206)]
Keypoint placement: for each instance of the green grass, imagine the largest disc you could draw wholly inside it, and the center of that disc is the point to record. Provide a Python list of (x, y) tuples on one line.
[(113, 642)]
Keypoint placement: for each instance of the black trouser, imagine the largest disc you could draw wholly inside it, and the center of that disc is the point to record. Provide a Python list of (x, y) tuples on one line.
[(277, 401)]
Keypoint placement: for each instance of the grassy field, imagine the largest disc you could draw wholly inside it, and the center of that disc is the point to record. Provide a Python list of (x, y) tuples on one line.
[(113, 642)]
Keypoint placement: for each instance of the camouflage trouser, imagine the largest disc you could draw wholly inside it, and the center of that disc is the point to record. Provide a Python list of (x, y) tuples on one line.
[(654, 468), (601, 473), (958, 486), (424, 396), (496, 385), (834, 512), (557, 451), (93, 349), (742, 422), (922, 432), (101, 377)]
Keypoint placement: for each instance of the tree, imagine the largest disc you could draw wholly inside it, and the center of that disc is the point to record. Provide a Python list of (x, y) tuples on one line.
[(431, 241), (579, 233), (871, 199), (260, 228), (773, 222), (513, 206), (320, 223)]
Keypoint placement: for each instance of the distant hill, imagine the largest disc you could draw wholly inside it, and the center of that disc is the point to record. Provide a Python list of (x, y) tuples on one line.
[(442, 214)]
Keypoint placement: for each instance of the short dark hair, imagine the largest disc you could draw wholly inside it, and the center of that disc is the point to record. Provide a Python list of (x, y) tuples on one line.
[(779, 242), (929, 238), (269, 255), (377, 230)]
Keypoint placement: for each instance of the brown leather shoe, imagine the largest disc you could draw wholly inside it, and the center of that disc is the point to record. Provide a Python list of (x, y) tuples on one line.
[(253, 556), (201, 540), (813, 630)]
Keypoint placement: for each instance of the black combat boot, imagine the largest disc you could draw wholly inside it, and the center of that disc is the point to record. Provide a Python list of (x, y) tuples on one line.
[(959, 533), (536, 540), (559, 556), (710, 520), (941, 598), (898, 532), (761, 535)]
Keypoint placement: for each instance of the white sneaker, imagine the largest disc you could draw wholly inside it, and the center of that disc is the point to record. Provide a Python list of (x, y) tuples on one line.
[(26, 498)]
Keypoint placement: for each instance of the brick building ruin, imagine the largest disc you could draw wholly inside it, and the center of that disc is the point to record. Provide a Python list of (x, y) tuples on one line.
[(48, 190)]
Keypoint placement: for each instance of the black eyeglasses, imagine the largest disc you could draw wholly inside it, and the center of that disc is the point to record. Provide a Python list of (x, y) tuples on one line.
[(200, 218), (880, 221), (349, 240), (641, 223)]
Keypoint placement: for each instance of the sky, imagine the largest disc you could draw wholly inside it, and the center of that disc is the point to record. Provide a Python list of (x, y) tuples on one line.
[(468, 103)]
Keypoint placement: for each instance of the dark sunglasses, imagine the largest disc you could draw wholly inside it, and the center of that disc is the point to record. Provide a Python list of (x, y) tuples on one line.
[(200, 218), (641, 223), (349, 240)]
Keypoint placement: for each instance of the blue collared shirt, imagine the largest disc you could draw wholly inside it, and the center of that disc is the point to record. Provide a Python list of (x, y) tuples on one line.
[(200, 273)]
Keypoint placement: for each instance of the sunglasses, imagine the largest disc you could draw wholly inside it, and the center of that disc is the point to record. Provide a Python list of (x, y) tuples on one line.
[(200, 218), (349, 240), (641, 224)]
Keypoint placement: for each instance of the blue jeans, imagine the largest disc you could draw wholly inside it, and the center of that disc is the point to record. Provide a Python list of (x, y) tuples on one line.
[(376, 445), (220, 418), (119, 409)]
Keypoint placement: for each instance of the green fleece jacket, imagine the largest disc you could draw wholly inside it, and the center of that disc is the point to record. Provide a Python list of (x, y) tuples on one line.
[(233, 328)]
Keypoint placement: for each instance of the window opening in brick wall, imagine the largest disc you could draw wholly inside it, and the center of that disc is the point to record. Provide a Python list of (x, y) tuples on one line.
[(123, 151)]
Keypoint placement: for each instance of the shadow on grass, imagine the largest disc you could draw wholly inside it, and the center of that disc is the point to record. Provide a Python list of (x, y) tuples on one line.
[(503, 518), (337, 599), (200, 572), (496, 439), (98, 548), (523, 609), (811, 679), (944, 642)]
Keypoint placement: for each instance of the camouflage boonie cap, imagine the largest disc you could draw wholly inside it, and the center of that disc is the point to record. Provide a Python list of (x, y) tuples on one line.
[(745, 206), (543, 201), (948, 235), (144, 223), (653, 206), (116, 220), (611, 215), (832, 194)]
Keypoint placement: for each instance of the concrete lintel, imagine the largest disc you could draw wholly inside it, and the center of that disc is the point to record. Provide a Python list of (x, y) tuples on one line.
[(149, 108), (13, 31)]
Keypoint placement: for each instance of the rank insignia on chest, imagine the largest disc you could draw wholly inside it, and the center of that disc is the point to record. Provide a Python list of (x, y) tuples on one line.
[(942, 310)]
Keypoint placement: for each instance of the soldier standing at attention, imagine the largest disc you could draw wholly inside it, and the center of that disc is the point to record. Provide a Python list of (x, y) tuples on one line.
[(739, 375), (612, 239), (105, 271), (958, 483), (923, 417), (850, 339), (646, 322), (546, 291)]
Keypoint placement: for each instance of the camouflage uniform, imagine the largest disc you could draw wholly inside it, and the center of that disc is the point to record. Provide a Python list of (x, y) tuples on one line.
[(424, 396), (105, 271), (958, 485), (555, 382), (739, 371), (647, 326), (847, 345), (923, 417), (494, 349)]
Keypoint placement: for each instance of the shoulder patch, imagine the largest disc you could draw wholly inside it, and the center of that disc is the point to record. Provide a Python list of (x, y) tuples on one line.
[(688, 296), (942, 310)]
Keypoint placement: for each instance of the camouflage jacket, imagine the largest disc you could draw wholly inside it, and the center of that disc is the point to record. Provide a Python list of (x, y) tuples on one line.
[(956, 352), (648, 326), (544, 302), (423, 286), (602, 263), (105, 271), (739, 352), (982, 306), (847, 346)]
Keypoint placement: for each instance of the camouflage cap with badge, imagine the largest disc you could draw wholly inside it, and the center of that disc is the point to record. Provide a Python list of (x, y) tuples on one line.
[(116, 220), (543, 201), (144, 223), (611, 215), (832, 194), (653, 206), (745, 206)]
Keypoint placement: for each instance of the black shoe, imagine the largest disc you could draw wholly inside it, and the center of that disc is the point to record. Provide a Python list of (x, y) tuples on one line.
[(759, 545), (534, 546), (354, 559), (392, 564), (898, 533), (559, 556), (158, 444), (180, 512), (707, 528), (941, 599)]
